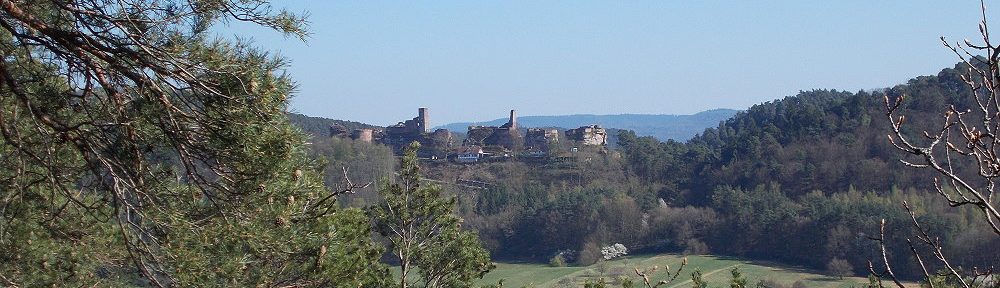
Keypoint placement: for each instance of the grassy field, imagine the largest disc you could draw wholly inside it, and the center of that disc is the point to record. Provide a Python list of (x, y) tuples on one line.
[(715, 271)]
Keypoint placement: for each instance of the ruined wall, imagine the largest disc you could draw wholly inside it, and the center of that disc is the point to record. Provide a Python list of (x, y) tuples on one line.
[(410, 128), (592, 135), (506, 136), (337, 130), (537, 138), (434, 144), (476, 135), (363, 135)]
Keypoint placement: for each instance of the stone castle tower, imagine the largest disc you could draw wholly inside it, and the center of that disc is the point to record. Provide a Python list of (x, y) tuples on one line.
[(513, 120), (423, 121)]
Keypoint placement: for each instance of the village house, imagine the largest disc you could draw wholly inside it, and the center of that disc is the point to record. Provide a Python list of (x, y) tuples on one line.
[(468, 154)]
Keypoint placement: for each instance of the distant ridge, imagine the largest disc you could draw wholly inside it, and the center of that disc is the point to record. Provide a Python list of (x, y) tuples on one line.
[(663, 127)]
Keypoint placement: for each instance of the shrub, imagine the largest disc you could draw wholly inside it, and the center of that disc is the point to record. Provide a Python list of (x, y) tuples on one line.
[(614, 251), (557, 261)]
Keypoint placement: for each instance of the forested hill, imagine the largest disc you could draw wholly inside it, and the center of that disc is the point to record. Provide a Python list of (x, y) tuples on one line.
[(817, 165), (825, 140), (663, 127), (319, 126)]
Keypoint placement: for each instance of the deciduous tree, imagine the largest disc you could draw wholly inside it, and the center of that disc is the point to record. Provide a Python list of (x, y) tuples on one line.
[(963, 152), (839, 267)]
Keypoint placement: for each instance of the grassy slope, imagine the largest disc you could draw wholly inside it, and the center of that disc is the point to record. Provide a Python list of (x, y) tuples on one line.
[(715, 271)]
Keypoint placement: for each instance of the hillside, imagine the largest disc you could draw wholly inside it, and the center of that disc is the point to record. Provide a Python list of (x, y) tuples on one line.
[(663, 127), (816, 164)]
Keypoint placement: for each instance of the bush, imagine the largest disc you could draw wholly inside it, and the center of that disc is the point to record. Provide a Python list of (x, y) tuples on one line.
[(614, 251), (697, 281), (600, 283), (557, 261), (626, 282)]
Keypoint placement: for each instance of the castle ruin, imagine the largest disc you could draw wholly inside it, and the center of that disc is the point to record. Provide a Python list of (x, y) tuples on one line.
[(337, 130), (432, 144), (505, 136), (592, 135), (408, 131), (505, 139), (539, 139)]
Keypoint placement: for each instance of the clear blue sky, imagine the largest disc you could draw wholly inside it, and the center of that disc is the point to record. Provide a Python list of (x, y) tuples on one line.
[(377, 61)]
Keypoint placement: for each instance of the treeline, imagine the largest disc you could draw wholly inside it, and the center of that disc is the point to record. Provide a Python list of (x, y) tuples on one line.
[(536, 213)]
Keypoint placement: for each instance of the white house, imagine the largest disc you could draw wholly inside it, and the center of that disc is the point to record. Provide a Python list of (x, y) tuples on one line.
[(468, 154)]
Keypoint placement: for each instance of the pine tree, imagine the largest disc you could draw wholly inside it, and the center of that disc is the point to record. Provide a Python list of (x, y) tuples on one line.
[(136, 151), (423, 232), (736, 279), (697, 281)]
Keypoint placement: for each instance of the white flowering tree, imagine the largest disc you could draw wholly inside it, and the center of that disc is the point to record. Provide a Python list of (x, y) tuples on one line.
[(614, 251)]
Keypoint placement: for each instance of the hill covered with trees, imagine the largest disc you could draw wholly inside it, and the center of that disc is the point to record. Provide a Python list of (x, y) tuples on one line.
[(818, 170)]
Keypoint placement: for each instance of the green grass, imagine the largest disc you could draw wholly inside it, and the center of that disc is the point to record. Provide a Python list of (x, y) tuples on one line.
[(715, 270)]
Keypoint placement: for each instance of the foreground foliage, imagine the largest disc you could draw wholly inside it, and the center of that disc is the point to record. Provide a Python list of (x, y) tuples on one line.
[(137, 151), (961, 152), (423, 233)]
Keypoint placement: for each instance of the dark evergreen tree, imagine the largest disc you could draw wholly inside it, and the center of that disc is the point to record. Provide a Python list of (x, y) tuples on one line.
[(423, 232), (137, 151)]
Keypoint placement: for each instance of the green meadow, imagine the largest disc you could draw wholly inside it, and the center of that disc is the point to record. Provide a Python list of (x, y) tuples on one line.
[(715, 270)]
